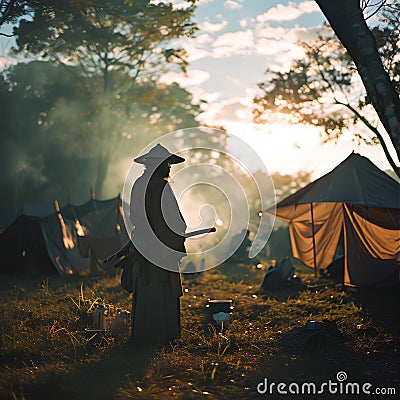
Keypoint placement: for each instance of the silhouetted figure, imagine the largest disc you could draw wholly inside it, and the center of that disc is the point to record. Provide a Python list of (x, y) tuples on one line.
[(158, 228)]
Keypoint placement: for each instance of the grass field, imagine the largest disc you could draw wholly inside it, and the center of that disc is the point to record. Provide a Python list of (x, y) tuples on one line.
[(46, 354)]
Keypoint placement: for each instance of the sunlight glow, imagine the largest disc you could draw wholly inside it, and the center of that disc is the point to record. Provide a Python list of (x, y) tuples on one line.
[(219, 222), (288, 148)]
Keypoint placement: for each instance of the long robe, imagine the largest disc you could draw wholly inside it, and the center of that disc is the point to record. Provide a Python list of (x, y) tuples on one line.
[(157, 288)]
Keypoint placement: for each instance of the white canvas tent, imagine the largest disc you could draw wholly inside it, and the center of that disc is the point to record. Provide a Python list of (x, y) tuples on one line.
[(360, 201)]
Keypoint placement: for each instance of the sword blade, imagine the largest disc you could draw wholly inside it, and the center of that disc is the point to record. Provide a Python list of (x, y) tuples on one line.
[(199, 232)]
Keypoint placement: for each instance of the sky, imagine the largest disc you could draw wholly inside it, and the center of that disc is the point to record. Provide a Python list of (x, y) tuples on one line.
[(236, 42)]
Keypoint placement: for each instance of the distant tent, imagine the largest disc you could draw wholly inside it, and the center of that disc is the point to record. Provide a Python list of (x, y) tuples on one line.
[(7, 215), (23, 248), (40, 245), (278, 245), (361, 201)]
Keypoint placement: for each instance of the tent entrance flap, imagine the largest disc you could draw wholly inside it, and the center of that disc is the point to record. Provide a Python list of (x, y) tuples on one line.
[(315, 238), (372, 252)]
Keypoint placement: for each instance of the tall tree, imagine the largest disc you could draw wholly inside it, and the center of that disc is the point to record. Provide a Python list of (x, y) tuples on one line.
[(50, 131), (324, 89), (111, 47), (347, 20)]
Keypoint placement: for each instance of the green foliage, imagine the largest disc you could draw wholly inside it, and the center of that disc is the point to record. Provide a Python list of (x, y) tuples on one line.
[(55, 135), (114, 53), (11, 10), (108, 35), (387, 34)]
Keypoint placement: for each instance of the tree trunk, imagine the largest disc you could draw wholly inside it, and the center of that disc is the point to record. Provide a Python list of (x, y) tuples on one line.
[(347, 20), (103, 163)]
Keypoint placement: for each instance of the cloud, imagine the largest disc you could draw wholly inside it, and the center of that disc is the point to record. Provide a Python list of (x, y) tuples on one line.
[(269, 32), (232, 5), (234, 80), (7, 61), (257, 37), (231, 38), (200, 94), (233, 43), (279, 43), (234, 109), (202, 2), (213, 28), (195, 53), (193, 77), (290, 12), (307, 34), (205, 38), (177, 4), (196, 48), (244, 22), (309, 7)]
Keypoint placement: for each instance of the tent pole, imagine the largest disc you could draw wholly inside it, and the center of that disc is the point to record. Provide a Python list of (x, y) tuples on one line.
[(313, 240)]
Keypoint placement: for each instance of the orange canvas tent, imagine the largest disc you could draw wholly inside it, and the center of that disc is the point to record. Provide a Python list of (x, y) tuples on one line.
[(358, 200)]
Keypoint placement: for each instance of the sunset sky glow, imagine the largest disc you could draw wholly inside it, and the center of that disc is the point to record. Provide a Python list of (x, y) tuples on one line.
[(236, 42)]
